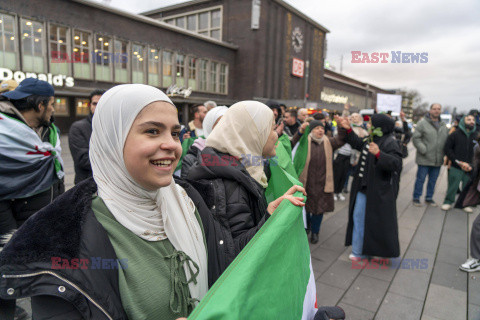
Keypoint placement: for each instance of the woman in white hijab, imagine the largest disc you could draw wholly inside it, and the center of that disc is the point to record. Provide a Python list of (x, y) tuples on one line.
[(130, 242), (231, 174), (193, 155)]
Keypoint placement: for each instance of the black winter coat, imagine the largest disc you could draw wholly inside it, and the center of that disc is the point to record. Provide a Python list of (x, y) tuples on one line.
[(79, 142), (459, 146), (191, 159), (235, 199), (383, 176), (26, 260)]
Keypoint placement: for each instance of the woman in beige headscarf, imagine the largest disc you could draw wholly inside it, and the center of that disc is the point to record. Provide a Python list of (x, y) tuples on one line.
[(231, 176)]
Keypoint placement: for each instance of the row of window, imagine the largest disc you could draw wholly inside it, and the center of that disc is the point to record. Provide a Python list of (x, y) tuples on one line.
[(104, 58), (206, 22)]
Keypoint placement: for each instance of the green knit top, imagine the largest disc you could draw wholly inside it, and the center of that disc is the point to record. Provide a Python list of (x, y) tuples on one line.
[(151, 276)]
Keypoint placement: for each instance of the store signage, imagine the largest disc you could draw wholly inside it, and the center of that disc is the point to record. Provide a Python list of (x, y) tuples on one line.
[(298, 67), (333, 98), (175, 91), (58, 80), (256, 4)]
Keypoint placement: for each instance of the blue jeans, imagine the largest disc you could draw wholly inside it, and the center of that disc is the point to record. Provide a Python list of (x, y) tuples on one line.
[(315, 220), (422, 173), (359, 223)]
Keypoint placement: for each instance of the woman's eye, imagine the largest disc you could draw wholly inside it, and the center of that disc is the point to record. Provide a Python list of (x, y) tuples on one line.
[(152, 131), (176, 134)]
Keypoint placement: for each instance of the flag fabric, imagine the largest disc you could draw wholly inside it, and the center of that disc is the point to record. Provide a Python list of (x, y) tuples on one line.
[(271, 278), (28, 165), (282, 173), (186, 144), (284, 139), (301, 153)]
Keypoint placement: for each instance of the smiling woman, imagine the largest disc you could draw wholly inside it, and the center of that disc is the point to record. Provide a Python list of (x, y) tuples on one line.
[(131, 211), (152, 149)]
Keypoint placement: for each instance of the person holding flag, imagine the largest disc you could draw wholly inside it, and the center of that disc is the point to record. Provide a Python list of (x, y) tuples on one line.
[(231, 175), (314, 163)]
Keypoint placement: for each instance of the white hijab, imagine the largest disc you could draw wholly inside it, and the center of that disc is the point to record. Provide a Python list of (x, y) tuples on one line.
[(243, 131), (210, 119), (152, 215)]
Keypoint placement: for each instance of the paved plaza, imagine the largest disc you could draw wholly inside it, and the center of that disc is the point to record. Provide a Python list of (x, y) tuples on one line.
[(435, 289)]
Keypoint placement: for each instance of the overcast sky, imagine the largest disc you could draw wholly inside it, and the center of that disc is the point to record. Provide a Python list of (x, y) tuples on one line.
[(449, 31)]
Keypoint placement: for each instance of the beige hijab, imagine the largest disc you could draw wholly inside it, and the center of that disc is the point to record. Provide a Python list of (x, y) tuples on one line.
[(242, 133)]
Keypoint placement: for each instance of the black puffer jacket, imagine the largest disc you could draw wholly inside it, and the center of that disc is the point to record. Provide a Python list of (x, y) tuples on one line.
[(459, 146), (26, 260), (235, 199), (191, 159), (79, 142)]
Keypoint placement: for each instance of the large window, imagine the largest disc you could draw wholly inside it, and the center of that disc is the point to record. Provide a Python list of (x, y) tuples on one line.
[(33, 44), (60, 58), (120, 60), (153, 67), (223, 83), (192, 73), (167, 69), (180, 67), (202, 74), (103, 58), (61, 106), (213, 76), (138, 63), (82, 107), (8, 42), (82, 67), (206, 22)]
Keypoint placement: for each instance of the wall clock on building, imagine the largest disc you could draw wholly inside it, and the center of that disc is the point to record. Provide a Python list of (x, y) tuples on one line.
[(297, 39)]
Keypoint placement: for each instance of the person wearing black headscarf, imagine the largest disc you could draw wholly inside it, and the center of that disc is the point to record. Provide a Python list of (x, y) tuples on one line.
[(372, 222)]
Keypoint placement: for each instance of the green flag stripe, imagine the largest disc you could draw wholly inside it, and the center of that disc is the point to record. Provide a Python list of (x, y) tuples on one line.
[(269, 277)]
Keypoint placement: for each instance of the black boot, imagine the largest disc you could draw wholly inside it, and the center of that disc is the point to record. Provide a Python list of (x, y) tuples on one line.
[(314, 238)]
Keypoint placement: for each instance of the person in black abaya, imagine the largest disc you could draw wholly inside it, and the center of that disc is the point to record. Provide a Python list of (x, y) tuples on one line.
[(372, 225)]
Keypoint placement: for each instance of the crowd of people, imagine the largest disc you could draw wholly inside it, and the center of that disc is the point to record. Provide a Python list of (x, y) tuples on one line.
[(180, 203)]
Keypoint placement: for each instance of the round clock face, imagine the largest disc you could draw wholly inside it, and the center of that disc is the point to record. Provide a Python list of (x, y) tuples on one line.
[(297, 39)]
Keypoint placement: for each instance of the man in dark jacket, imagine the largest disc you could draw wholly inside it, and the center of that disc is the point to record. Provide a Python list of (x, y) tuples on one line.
[(291, 123), (194, 127), (79, 140), (459, 150), (31, 170)]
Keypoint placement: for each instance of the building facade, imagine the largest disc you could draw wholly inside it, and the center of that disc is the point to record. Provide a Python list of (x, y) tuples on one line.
[(221, 50), (280, 52), (79, 46), (339, 90)]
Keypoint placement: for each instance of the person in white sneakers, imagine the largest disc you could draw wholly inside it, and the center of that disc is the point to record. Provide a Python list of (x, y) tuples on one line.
[(473, 264)]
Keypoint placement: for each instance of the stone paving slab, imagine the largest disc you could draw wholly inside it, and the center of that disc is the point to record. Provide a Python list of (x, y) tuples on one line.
[(397, 307), (445, 303), (366, 293)]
